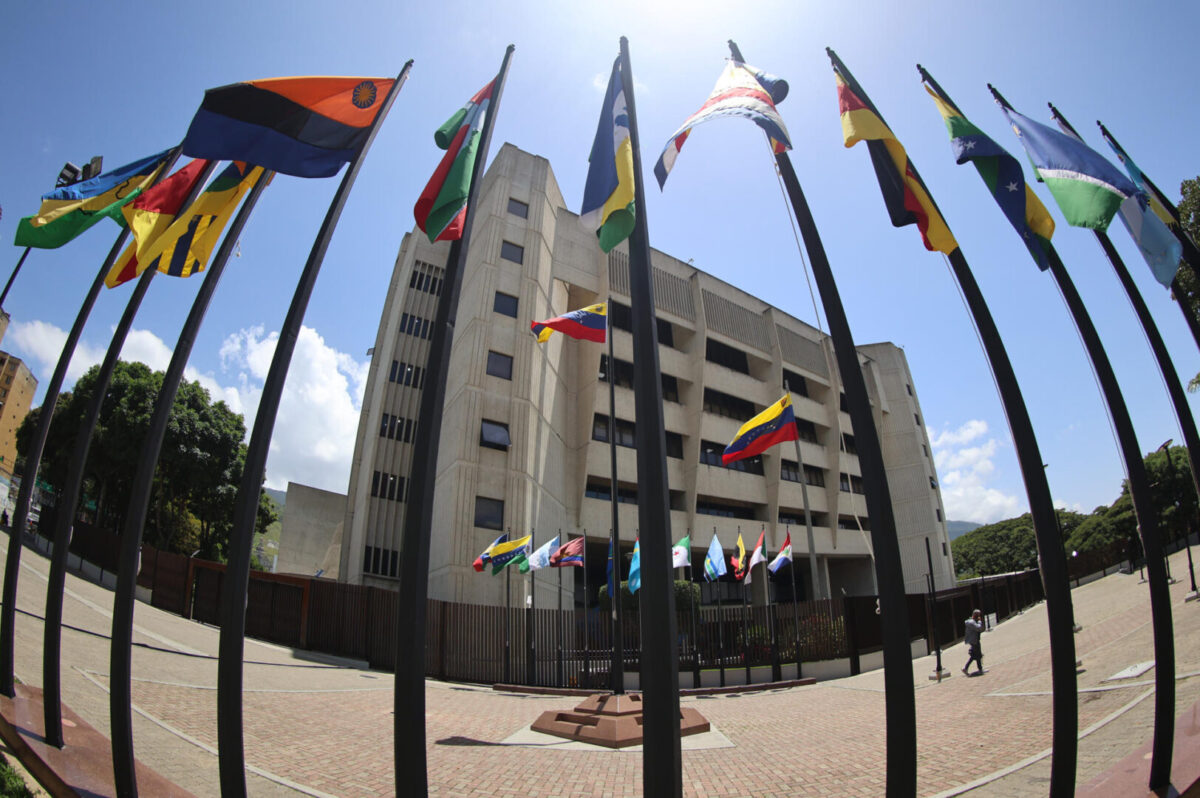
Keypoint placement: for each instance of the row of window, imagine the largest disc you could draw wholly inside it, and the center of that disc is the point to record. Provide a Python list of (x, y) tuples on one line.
[(711, 453), (379, 561), (423, 279), (623, 378), (625, 434), (790, 471), (406, 374), (388, 486), (395, 428), (851, 483), (415, 326)]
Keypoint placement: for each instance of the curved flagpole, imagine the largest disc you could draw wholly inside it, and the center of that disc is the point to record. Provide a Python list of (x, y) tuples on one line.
[(409, 698), (129, 556), (33, 459), (69, 501), (232, 758)]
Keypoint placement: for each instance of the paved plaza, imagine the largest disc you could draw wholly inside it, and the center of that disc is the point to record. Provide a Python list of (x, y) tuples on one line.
[(324, 728)]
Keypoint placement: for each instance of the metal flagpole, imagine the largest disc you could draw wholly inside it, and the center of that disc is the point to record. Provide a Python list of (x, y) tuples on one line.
[(795, 604), (33, 459), (662, 774), (559, 633), (69, 501), (720, 622), (898, 681), (691, 572), (237, 574), (776, 671), (120, 652), (745, 623), (617, 670), (530, 615), (13, 276), (933, 610), (587, 654), (507, 614), (812, 546)]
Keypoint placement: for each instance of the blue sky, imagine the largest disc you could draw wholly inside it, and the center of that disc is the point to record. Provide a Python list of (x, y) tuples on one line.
[(123, 80)]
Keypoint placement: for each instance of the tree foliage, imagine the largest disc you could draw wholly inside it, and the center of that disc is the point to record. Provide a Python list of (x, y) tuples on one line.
[(196, 479), (1105, 536)]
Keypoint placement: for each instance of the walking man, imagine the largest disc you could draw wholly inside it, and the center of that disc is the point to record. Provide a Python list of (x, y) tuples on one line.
[(974, 626)]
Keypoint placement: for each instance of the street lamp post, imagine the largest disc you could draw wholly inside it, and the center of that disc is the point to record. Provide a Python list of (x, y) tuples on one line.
[(1187, 538)]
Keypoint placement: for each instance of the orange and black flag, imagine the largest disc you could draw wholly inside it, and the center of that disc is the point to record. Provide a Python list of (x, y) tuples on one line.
[(904, 193)]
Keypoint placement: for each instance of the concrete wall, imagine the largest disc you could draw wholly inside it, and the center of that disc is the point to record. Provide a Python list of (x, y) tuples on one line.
[(311, 536)]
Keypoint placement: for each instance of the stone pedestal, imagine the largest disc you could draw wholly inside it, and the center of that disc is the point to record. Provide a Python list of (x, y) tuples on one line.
[(614, 721)]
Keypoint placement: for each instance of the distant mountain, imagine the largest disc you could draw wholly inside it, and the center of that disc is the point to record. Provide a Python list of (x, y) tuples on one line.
[(280, 497), (958, 528)]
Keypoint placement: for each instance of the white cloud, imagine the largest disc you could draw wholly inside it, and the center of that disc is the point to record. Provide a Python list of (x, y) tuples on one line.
[(965, 472), (317, 421), (600, 84)]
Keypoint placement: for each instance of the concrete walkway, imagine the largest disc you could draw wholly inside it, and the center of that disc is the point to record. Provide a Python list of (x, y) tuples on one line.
[(316, 728)]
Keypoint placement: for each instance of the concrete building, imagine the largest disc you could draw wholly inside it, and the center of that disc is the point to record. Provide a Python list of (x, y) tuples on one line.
[(524, 440), (17, 386), (310, 531)]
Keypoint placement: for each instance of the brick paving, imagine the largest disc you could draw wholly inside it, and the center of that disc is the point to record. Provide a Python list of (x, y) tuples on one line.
[(327, 730)]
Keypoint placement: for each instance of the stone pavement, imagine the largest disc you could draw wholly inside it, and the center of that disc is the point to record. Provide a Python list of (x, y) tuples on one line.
[(316, 728)]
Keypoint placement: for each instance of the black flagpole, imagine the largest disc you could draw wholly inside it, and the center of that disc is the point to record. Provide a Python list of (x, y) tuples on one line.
[(720, 621), (409, 707), (1191, 255), (586, 682), (69, 501), (1160, 598), (1051, 556), (661, 761), (13, 276), (33, 459), (617, 668), (129, 555), (899, 691), (795, 600), (232, 758)]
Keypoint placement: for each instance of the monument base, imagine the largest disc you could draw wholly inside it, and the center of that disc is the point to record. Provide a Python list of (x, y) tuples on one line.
[(613, 721)]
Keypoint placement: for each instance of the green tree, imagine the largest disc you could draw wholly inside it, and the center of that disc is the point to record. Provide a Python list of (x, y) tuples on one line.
[(198, 470), (1004, 546), (1187, 279)]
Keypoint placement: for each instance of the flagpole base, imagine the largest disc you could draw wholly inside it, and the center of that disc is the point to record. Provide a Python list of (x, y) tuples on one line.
[(939, 675), (613, 721)]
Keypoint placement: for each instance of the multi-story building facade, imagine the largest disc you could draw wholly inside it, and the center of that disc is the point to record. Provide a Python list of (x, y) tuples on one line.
[(17, 386), (524, 443)]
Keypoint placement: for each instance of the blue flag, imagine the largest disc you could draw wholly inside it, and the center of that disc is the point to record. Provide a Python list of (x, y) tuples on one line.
[(635, 568), (714, 561)]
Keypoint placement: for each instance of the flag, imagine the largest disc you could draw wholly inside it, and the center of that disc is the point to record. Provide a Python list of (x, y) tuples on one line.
[(585, 324), (1087, 188), (1158, 203), (784, 555), (184, 248), (506, 553), (681, 553), (66, 212), (570, 553), (758, 555), (301, 126), (714, 560), (635, 568), (904, 193), (774, 425), (738, 561), (150, 214), (486, 555), (608, 193), (442, 207), (1003, 176), (743, 91), (1160, 248), (540, 558)]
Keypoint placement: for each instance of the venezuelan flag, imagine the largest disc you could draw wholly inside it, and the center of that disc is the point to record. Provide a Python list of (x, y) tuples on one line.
[(904, 193), (608, 193), (505, 554), (301, 126), (776, 424), (585, 324), (68, 211)]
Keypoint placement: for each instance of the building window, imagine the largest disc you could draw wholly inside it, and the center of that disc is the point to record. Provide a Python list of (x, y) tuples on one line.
[(723, 509), (406, 374), (489, 513), (944, 552), (382, 562), (621, 317), (513, 252), (626, 431), (424, 278), (387, 486), (670, 388), (727, 356), (601, 489), (499, 365), (843, 405), (505, 304), (796, 517), (789, 471), (807, 431), (711, 452), (675, 445), (666, 333), (917, 419), (937, 511), (814, 476), (795, 382), (723, 404), (849, 446), (925, 449), (850, 522), (414, 326), (494, 435), (844, 483), (622, 372), (856, 485), (933, 483), (395, 428), (908, 388), (518, 208)]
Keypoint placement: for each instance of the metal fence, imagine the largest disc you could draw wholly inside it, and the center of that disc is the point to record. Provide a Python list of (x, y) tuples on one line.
[(564, 648)]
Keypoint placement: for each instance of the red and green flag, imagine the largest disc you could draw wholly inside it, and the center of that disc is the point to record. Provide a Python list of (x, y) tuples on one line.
[(442, 207)]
